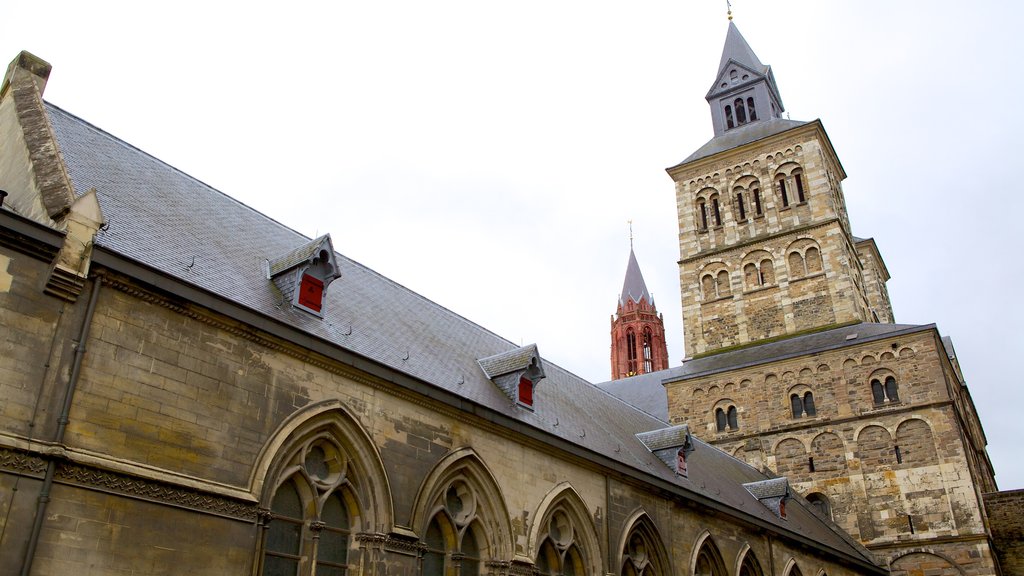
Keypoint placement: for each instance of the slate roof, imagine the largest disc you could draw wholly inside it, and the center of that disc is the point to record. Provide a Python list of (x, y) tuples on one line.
[(633, 287), (295, 257), (773, 488), (737, 50), (510, 361), (740, 136), (647, 391), (176, 225)]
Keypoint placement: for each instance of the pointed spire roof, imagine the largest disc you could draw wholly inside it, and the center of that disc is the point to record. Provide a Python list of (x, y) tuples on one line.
[(634, 287), (737, 50)]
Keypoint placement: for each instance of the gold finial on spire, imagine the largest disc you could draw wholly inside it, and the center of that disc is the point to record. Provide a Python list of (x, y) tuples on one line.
[(630, 222), (728, 10)]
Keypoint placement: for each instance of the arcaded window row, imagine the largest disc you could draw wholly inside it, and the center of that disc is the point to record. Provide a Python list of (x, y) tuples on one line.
[(746, 201), (758, 269)]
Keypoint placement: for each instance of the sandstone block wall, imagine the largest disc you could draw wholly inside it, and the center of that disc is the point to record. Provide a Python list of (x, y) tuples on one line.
[(1006, 518), (797, 291), (896, 475)]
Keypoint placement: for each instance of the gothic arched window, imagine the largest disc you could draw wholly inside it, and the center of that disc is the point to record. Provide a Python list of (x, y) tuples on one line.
[(728, 117), (311, 513), (631, 352), (884, 389), (647, 350), (741, 115), (750, 109)]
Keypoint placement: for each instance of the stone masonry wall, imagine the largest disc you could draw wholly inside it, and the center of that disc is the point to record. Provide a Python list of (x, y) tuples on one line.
[(894, 475), (808, 296), (1006, 518)]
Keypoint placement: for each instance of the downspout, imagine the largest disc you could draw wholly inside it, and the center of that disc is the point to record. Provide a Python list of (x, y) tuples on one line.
[(62, 424)]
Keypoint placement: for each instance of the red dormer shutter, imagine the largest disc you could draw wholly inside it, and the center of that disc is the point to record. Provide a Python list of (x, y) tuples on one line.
[(525, 391), (311, 292)]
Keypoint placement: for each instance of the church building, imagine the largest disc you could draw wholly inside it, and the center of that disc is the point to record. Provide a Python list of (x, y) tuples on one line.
[(187, 386), (793, 361)]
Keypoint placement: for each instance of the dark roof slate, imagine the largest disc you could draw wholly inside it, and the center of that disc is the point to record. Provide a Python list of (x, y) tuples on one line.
[(633, 287), (510, 361), (740, 136), (647, 391), (737, 50), (172, 223)]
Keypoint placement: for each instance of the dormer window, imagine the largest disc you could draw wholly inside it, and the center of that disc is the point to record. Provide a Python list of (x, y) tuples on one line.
[(516, 372), (303, 275), (672, 445)]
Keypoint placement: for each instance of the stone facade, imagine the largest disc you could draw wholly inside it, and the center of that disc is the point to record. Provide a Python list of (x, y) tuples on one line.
[(901, 475), (790, 265), (1006, 518), (188, 418)]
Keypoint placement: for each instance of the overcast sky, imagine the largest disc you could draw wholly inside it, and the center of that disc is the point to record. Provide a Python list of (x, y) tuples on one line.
[(488, 155)]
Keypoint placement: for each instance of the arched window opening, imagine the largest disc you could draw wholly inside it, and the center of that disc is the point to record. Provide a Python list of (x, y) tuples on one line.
[(751, 276), (750, 109), (708, 285), (781, 183), (877, 392), (647, 351), (766, 273), (436, 549), (809, 408), (820, 504), (740, 207), (332, 549), (283, 548), (702, 209), (732, 418), (796, 265), (716, 212), (813, 259), (750, 566), (891, 390), (722, 284), (798, 179), (755, 193), (470, 562), (311, 514), (560, 554), (728, 117), (887, 392), (720, 420), (709, 562), (797, 405), (631, 352), (741, 115)]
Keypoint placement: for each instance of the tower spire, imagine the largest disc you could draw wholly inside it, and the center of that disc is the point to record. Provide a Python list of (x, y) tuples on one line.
[(744, 91), (638, 331)]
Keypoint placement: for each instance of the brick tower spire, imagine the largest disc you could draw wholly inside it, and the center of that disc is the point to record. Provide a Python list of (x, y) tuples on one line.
[(638, 332)]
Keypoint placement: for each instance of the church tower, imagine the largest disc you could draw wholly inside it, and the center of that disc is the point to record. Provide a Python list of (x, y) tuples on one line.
[(638, 332), (764, 239), (794, 363)]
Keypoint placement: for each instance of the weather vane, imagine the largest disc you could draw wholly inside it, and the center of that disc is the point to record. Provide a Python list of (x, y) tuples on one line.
[(630, 222), (728, 9)]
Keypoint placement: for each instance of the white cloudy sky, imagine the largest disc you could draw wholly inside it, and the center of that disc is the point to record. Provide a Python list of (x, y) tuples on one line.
[(488, 155)]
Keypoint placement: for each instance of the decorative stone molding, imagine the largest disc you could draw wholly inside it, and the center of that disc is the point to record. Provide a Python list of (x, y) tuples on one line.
[(21, 462), (125, 485)]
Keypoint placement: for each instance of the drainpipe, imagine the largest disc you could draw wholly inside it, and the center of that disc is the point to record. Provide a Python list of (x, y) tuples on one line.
[(62, 425)]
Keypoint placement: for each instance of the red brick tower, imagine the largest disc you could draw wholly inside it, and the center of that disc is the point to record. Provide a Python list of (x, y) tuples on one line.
[(638, 333)]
